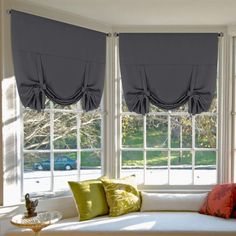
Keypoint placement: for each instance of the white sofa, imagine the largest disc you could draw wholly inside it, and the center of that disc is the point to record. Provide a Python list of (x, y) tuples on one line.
[(164, 223)]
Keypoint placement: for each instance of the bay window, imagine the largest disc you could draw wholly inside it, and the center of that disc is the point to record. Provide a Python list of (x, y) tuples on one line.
[(164, 149)]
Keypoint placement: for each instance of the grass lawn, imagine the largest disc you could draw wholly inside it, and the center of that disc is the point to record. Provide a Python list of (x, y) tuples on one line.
[(160, 158), (155, 138)]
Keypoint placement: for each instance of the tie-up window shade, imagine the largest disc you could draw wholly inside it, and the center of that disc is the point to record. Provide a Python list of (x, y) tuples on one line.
[(66, 63), (168, 70)]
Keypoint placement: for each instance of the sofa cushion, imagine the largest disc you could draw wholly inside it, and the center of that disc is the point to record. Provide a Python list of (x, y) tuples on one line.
[(220, 201), (140, 224), (90, 198), (122, 198), (172, 202)]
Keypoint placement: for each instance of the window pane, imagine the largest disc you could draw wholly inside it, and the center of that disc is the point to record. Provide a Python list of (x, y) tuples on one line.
[(36, 130), (65, 161), (68, 107), (213, 107), (132, 163), (157, 168), (132, 131), (157, 131), (183, 108), (206, 131), (205, 167), (153, 108), (90, 131), (181, 132), (124, 106), (65, 130), (37, 176), (132, 158), (91, 159), (181, 168), (90, 165), (65, 166), (181, 159), (47, 103)]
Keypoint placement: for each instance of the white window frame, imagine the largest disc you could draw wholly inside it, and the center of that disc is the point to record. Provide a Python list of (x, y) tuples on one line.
[(51, 111), (233, 106), (220, 118)]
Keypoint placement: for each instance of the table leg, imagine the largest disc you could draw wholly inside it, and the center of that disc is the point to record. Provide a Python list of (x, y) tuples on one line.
[(37, 233)]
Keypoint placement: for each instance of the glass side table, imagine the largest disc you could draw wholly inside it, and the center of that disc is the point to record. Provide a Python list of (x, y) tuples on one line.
[(36, 223)]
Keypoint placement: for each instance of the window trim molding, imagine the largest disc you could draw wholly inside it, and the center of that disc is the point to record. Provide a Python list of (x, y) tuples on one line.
[(227, 133), (1, 115), (232, 91)]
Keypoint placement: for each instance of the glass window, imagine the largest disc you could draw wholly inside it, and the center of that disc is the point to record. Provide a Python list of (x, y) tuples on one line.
[(60, 144), (169, 147)]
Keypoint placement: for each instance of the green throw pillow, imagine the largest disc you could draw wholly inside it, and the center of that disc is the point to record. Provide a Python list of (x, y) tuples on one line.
[(90, 198), (122, 198)]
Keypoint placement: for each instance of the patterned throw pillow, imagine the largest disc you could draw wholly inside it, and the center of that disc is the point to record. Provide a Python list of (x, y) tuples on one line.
[(122, 198), (220, 201)]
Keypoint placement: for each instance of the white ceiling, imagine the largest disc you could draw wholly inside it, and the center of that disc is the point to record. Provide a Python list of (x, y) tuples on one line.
[(150, 12)]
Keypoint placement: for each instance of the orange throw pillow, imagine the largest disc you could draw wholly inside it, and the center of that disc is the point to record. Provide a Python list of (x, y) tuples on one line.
[(220, 201)]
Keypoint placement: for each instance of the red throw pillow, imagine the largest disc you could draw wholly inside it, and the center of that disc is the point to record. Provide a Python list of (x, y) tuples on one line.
[(234, 213), (234, 209), (220, 201)]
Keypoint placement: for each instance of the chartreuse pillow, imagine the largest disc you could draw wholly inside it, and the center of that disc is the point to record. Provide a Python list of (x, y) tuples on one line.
[(122, 197), (90, 198)]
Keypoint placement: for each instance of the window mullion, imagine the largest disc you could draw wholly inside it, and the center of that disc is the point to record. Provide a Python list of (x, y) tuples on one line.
[(102, 150), (52, 145), (193, 147), (169, 146), (78, 123), (21, 151), (144, 146)]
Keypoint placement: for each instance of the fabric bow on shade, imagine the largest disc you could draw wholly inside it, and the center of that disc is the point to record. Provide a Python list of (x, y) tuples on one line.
[(168, 70)]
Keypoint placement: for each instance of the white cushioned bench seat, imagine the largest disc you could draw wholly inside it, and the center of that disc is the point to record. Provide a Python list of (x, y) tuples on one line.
[(141, 223)]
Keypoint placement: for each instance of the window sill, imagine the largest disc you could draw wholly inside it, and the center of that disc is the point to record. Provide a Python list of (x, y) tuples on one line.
[(175, 188)]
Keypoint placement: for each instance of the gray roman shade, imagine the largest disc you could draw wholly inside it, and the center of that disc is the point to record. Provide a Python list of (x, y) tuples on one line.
[(57, 60), (168, 70)]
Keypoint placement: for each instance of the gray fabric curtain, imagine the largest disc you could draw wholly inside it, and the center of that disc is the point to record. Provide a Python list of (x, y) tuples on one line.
[(57, 60), (168, 70)]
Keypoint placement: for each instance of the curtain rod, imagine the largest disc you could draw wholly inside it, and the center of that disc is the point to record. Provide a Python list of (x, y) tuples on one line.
[(220, 34)]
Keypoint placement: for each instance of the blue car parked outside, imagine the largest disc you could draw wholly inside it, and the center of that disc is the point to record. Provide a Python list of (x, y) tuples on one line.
[(60, 163)]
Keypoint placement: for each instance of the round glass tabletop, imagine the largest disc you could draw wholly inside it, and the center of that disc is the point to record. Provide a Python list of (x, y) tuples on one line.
[(36, 223)]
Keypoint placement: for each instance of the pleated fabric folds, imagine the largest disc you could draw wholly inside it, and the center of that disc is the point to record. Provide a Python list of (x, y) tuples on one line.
[(60, 61), (168, 70)]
